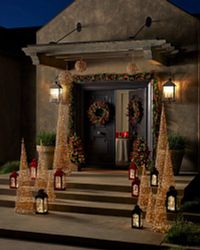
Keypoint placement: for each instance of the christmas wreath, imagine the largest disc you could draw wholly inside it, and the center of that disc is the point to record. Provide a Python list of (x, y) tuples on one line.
[(98, 113), (135, 111)]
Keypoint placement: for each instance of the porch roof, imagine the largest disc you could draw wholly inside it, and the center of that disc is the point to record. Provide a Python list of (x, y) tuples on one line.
[(58, 54)]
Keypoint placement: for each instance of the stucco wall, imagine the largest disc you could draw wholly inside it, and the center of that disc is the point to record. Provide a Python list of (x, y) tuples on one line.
[(120, 19)]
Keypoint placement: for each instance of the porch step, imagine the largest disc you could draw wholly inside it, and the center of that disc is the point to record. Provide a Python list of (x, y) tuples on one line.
[(100, 193)]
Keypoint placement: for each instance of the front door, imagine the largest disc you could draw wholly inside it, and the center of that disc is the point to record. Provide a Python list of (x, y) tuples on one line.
[(99, 138)]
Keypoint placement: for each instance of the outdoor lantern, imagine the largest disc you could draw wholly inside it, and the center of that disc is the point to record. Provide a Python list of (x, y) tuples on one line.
[(59, 180), (154, 177), (41, 202), (55, 92), (135, 187), (132, 171), (136, 217), (14, 180), (171, 199), (33, 169), (169, 91)]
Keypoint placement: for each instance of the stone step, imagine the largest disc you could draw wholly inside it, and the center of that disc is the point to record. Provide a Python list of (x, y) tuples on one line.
[(79, 206), (86, 230)]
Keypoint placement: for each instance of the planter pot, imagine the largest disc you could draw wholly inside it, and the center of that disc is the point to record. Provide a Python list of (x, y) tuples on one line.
[(177, 157), (47, 154)]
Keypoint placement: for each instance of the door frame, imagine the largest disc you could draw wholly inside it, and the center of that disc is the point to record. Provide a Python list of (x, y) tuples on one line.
[(113, 85)]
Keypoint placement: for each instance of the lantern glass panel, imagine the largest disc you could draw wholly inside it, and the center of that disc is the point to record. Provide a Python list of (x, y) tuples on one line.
[(55, 94), (33, 172), (171, 203), (39, 205), (154, 180), (58, 182), (168, 92)]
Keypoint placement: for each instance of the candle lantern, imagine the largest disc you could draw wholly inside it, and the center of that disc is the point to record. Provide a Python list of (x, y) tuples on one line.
[(59, 180), (154, 177), (136, 217), (33, 169), (14, 180), (135, 187), (171, 199), (41, 202), (132, 171)]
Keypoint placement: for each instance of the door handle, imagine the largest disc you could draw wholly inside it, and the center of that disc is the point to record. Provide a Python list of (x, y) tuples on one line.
[(100, 133)]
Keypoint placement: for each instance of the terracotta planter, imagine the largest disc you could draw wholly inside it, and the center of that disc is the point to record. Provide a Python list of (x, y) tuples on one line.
[(46, 153), (177, 157)]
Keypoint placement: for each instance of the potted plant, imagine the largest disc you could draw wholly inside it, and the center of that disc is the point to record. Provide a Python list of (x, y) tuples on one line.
[(45, 147), (177, 149)]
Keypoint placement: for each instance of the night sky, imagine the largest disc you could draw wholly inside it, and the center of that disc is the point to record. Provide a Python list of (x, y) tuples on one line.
[(27, 13)]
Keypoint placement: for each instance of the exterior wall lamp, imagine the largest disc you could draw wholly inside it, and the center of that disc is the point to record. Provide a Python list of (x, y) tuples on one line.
[(169, 91), (55, 92)]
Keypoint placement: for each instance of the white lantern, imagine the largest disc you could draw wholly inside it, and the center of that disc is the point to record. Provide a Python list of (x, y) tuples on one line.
[(55, 93), (169, 91)]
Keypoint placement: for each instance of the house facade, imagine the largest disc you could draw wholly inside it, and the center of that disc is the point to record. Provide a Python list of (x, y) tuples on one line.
[(17, 96), (125, 44)]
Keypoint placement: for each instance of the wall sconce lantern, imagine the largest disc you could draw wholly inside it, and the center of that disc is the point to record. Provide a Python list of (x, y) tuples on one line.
[(132, 171), (169, 89), (41, 202), (171, 199), (135, 187), (136, 217), (33, 169), (55, 92), (59, 180), (154, 177), (13, 181)]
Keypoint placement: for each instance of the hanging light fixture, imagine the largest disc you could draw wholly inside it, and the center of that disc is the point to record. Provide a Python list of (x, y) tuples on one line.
[(169, 89), (55, 92)]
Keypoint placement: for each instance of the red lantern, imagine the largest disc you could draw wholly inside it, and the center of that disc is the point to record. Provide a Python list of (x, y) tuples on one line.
[(59, 180), (132, 171), (135, 187), (13, 180), (33, 169)]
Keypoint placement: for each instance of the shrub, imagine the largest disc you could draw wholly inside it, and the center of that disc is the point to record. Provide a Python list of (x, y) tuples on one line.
[(46, 138), (184, 233), (9, 167)]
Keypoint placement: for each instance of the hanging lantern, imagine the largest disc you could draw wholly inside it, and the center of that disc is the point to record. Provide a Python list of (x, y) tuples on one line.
[(169, 91), (41, 202), (136, 217), (59, 180), (135, 187), (171, 199), (33, 169), (132, 171), (55, 92), (154, 177), (80, 65), (13, 181)]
